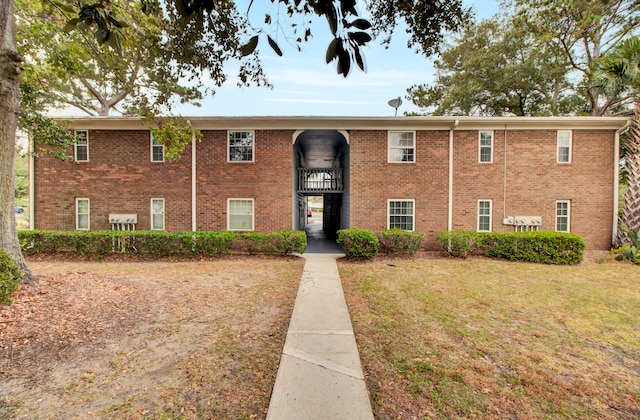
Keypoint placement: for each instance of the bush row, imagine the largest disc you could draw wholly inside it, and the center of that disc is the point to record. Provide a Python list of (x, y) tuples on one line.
[(540, 247), (161, 244), (364, 243)]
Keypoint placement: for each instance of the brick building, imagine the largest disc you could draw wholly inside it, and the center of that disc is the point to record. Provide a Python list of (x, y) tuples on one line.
[(418, 173)]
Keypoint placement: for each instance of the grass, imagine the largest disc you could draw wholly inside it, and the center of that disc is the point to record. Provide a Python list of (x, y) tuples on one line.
[(449, 338)]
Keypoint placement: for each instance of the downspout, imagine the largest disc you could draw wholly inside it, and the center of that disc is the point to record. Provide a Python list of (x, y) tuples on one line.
[(193, 182), (504, 181), (32, 192), (450, 211), (616, 180)]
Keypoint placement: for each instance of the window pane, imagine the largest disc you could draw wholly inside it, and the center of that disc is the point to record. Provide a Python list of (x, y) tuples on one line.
[(240, 222), (240, 146), (81, 152), (563, 154), (562, 217), (83, 221), (158, 222), (158, 206), (401, 215), (83, 206)]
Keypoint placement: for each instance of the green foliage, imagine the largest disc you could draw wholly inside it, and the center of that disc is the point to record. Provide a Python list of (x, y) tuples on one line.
[(10, 277), (398, 241), (629, 251), (175, 133), (98, 244), (458, 243), (512, 84), (359, 243), (540, 247)]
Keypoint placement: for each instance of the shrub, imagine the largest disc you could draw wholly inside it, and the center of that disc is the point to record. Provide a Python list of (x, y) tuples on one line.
[(10, 277), (398, 241), (458, 243), (541, 247), (287, 241), (159, 244), (629, 251), (358, 242)]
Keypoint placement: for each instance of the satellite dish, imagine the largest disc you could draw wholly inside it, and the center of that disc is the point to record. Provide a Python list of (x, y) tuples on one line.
[(395, 103)]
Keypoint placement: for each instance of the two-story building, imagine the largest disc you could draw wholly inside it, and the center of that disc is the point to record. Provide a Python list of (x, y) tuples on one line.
[(417, 173)]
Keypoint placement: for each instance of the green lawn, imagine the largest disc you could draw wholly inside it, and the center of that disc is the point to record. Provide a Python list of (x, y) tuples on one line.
[(447, 338)]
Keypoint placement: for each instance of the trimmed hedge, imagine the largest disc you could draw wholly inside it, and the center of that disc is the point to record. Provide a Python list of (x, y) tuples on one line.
[(10, 277), (98, 244), (359, 243), (398, 241), (540, 247)]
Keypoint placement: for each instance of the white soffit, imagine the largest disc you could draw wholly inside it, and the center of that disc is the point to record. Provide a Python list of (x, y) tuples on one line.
[(361, 123)]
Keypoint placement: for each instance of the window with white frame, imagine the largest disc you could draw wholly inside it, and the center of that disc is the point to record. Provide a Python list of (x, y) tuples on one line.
[(563, 212), (485, 147), (401, 146), (157, 150), (484, 215), (240, 146), (157, 214), (82, 213), (401, 214), (564, 146), (240, 215), (81, 146)]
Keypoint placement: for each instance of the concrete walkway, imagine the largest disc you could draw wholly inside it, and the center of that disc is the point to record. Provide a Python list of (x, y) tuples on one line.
[(320, 376)]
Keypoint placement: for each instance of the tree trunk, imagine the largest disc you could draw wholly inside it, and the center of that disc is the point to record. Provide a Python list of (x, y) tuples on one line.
[(631, 212), (10, 66)]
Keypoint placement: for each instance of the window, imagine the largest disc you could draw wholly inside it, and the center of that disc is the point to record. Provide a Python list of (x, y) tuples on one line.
[(82, 213), (157, 150), (240, 146), (485, 147), (401, 146), (81, 146), (484, 215), (562, 216), (157, 214), (240, 214), (401, 214), (564, 146)]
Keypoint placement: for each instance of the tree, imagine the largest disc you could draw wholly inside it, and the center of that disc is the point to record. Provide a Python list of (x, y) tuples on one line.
[(494, 69), (618, 75), (10, 62), (584, 30)]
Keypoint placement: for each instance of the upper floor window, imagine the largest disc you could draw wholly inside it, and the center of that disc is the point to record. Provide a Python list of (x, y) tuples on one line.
[(401, 146), (562, 215), (81, 146), (485, 147), (484, 215), (82, 213), (240, 147), (564, 146), (401, 214), (157, 214), (240, 215), (157, 150)]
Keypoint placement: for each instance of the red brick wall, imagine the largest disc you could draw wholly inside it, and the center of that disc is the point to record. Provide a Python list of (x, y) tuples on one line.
[(118, 178), (535, 181), (268, 180), (374, 181)]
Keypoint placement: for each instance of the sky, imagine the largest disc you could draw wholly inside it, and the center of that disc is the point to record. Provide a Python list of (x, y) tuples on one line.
[(305, 85)]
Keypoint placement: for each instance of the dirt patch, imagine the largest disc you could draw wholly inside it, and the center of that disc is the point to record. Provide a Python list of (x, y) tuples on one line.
[(146, 339)]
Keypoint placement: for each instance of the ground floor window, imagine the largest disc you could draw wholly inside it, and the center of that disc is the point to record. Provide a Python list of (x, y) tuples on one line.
[(240, 214), (157, 214), (401, 214), (484, 215), (82, 213), (562, 215)]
